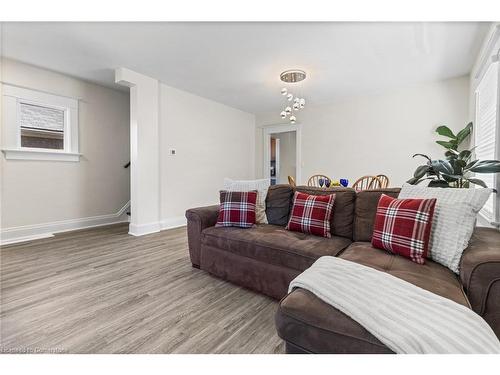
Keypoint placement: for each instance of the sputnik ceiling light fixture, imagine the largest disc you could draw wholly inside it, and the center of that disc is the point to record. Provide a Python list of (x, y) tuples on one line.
[(296, 103)]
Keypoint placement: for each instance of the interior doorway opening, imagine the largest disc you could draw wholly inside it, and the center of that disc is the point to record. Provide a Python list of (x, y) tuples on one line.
[(283, 157), (282, 154)]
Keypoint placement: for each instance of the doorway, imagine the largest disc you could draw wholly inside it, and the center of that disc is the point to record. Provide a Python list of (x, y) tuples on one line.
[(282, 153)]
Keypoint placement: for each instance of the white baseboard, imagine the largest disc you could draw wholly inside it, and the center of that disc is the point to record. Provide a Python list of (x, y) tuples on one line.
[(173, 222), (38, 231), (170, 223), (143, 229), (6, 240), (45, 230)]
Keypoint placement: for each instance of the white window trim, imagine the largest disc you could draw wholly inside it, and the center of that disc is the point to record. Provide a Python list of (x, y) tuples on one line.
[(490, 53), (12, 98), (493, 220)]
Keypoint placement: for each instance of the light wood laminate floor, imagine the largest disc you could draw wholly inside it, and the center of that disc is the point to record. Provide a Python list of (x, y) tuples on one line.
[(102, 291)]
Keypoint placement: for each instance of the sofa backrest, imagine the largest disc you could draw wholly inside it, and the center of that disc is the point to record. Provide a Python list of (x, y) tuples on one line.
[(341, 223), (353, 212), (365, 209), (279, 202)]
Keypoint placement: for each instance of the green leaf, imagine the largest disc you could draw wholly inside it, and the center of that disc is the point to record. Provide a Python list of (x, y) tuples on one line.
[(451, 152), (421, 171), (486, 166), (420, 180), (454, 176), (438, 183), (471, 164), (464, 133), (442, 166), (448, 144), (413, 181), (465, 154), (477, 181), (451, 155), (424, 156), (445, 131), (457, 165)]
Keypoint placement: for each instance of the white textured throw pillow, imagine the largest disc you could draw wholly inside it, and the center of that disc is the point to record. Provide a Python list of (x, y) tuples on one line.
[(454, 219), (248, 185)]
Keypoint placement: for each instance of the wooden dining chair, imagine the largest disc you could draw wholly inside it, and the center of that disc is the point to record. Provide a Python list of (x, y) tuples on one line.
[(384, 181), (367, 183), (291, 181), (314, 180)]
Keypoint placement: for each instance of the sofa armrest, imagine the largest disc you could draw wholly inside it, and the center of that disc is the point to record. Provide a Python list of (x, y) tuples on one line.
[(480, 272), (197, 220)]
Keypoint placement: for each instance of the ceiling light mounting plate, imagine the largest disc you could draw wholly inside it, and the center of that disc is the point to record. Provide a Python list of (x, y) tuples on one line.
[(293, 75)]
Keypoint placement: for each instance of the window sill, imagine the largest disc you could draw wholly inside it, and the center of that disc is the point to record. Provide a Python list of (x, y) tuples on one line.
[(20, 154), (483, 221)]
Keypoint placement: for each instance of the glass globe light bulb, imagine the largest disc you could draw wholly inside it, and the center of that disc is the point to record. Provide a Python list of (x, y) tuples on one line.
[(293, 119), (302, 102), (288, 110), (296, 106), (284, 91), (283, 114), (289, 97), (296, 100)]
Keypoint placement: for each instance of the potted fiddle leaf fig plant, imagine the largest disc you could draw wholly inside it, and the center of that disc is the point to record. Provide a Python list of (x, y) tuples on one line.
[(457, 168)]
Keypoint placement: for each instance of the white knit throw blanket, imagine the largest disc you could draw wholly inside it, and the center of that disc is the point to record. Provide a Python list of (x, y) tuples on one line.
[(406, 318)]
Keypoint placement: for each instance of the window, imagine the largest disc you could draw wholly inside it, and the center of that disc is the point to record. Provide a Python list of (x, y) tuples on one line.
[(39, 126), (486, 132)]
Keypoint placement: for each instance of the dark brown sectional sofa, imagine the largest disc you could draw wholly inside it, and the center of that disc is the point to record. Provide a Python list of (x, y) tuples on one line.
[(266, 258)]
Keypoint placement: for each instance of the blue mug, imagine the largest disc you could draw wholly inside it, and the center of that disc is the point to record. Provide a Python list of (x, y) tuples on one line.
[(344, 182)]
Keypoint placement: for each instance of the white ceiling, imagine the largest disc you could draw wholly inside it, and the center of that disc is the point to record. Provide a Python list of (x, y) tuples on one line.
[(239, 63)]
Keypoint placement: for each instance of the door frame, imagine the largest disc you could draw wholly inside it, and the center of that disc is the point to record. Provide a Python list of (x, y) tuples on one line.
[(276, 158), (267, 130)]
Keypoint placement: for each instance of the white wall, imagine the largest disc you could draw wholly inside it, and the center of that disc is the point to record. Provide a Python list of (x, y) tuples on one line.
[(38, 192), (212, 141), (376, 133)]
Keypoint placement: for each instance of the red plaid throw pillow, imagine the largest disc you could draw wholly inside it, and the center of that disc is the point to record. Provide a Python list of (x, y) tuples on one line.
[(403, 226), (311, 214), (237, 209)]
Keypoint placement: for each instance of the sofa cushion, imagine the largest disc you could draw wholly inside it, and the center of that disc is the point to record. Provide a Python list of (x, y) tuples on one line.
[(311, 214), (278, 204), (403, 226), (455, 217), (364, 212), (308, 322), (237, 209), (430, 276), (261, 186), (269, 279), (273, 244), (341, 223)]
